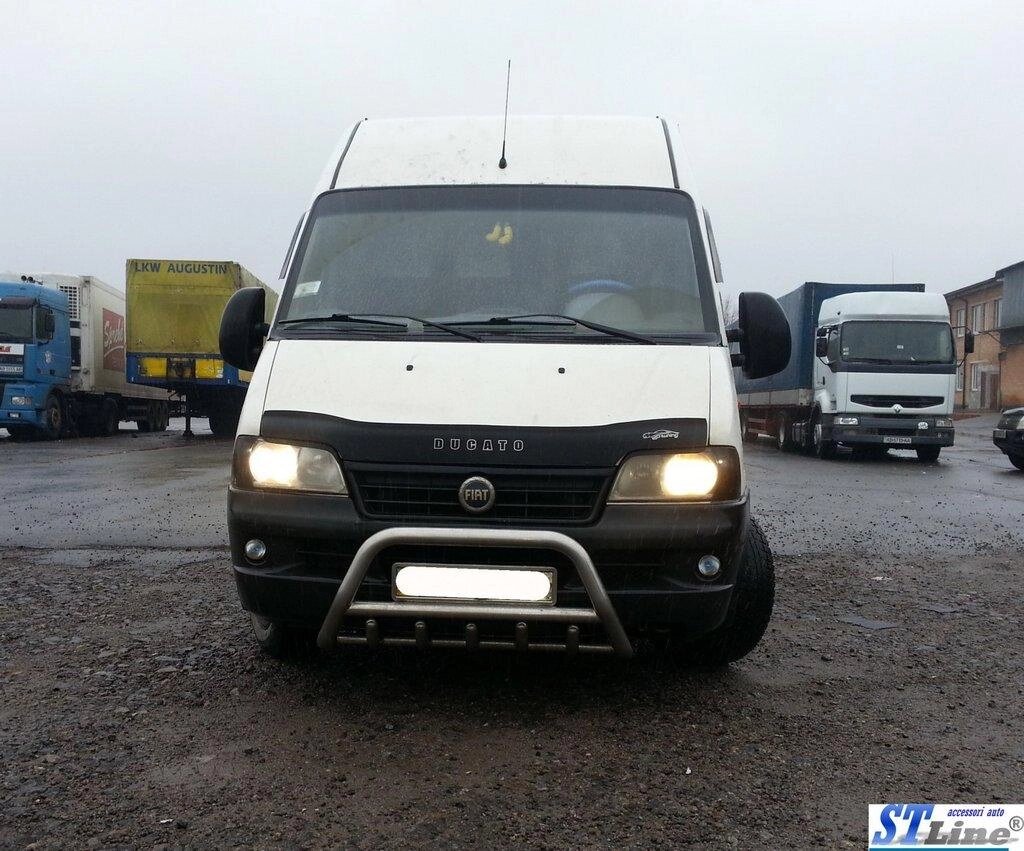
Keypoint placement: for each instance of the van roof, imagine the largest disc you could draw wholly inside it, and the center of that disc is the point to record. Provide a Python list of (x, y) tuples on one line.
[(567, 150)]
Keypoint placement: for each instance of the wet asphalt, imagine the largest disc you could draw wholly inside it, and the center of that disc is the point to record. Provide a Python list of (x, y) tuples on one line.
[(137, 712)]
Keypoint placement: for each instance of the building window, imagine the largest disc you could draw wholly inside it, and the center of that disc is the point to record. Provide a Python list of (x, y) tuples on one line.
[(976, 372), (997, 313), (960, 377), (961, 320), (978, 318)]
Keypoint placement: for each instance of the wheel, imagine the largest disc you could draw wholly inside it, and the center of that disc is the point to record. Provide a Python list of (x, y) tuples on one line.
[(281, 641), (750, 609), (928, 454), (163, 416), (784, 433), (1017, 461), (745, 434), (224, 422), (146, 423), (109, 420), (52, 426), (824, 449)]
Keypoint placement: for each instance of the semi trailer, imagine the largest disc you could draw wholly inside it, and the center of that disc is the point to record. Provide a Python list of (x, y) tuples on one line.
[(873, 368), (62, 360), (174, 310)]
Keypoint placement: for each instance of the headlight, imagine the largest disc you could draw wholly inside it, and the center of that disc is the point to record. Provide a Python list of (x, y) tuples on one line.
[(680, 476), (944, 422), (24, 401), (268, 464), (847, 421)]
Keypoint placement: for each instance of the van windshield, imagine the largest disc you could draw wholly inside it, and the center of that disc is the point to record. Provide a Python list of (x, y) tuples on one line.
[(629, 259), (897, 342)]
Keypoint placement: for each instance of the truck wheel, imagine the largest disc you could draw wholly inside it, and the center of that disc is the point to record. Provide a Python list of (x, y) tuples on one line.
[(52, 426), (824, 449), (109, 419), (750, 609), (224, 422), (928, 454), (784, 433), (745, 434), (282, 641), (1016, 460), (161, 417)]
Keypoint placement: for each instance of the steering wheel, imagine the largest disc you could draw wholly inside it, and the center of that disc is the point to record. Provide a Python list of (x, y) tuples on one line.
[(600, 285)]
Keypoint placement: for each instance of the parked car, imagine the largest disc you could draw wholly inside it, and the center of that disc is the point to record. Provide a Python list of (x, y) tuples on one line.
[(1009, 436)]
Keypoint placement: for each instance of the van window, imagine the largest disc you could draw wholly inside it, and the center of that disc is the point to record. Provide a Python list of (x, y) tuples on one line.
[(627, 258)]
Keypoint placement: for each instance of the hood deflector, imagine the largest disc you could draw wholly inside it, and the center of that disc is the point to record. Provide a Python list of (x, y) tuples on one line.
[(534, 446)]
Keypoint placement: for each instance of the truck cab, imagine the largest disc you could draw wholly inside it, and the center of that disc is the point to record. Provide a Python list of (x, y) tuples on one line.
[(495, 409), (884, 373), (35, 358)]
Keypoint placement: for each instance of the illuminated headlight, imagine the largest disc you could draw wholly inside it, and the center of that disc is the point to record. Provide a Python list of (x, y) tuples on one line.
[(848, 421), (681, 476), (944, 422), (23, 401), (268, 464)]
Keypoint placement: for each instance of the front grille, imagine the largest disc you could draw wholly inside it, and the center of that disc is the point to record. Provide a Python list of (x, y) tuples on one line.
[(542, 495), (902, 401)]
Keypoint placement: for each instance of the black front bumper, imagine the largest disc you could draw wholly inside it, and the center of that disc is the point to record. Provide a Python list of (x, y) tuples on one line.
[(892, 431), (1012, 443), (645, 556)]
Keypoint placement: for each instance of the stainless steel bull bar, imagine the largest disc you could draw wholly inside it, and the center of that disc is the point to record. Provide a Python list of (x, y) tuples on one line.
[(602, 613)]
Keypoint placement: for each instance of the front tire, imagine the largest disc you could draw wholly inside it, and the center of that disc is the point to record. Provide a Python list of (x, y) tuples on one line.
[(750, 609), (281, 641), (928, 454), (820, 447), (1017, 461), (224, 421), (52, 427)]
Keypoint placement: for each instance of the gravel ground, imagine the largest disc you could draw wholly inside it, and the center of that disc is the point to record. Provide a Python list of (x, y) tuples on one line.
[(137, 711)]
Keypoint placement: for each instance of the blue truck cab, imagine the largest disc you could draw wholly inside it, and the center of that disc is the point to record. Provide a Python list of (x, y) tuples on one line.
[(35, 358)]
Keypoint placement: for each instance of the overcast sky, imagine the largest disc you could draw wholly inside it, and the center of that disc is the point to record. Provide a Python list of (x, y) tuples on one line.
[(825, 137)]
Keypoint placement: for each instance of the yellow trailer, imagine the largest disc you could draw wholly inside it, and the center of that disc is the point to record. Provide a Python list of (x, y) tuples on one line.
[(174, 309)]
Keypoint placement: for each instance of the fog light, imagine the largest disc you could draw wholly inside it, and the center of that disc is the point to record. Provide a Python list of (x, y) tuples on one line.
[(255, 550), (709, 567)]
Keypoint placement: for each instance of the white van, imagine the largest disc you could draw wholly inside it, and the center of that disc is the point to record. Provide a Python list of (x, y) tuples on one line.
[(495, 408)]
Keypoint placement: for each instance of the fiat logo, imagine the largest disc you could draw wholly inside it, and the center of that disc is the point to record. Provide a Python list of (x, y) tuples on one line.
[(476, 495)]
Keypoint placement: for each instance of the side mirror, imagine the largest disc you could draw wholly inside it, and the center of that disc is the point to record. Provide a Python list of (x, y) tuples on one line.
[(821, 347), (242, 328), (764, 338), (49, 325), (968, 341)]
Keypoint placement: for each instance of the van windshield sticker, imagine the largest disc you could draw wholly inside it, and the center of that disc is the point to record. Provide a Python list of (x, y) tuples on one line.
[(307, 288)]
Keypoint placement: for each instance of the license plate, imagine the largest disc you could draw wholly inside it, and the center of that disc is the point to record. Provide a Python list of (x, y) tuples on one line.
[(473, 583), (898, 440), (999, 434)]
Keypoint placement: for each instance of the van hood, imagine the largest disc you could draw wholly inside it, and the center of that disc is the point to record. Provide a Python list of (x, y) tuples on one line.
[(508, 384)]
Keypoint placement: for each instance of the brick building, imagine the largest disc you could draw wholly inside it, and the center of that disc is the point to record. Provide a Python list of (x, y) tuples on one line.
[(992, 377)]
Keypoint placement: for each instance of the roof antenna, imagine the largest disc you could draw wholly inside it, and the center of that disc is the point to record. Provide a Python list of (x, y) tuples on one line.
[(502, 163)]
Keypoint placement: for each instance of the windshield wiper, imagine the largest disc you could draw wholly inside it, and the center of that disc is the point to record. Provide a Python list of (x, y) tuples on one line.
[(537, 319), (871, 360), (382, 320)]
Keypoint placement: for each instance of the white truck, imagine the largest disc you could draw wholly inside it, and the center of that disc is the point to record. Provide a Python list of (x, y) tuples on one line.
[(873, 369), (65, 373), (495, 407)]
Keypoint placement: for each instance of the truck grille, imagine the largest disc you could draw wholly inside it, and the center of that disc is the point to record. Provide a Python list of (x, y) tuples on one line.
[(542, 495), (903, 401)]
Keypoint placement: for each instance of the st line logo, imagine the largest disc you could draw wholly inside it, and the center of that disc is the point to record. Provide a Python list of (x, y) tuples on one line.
[(113, 340), (986, 827)]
